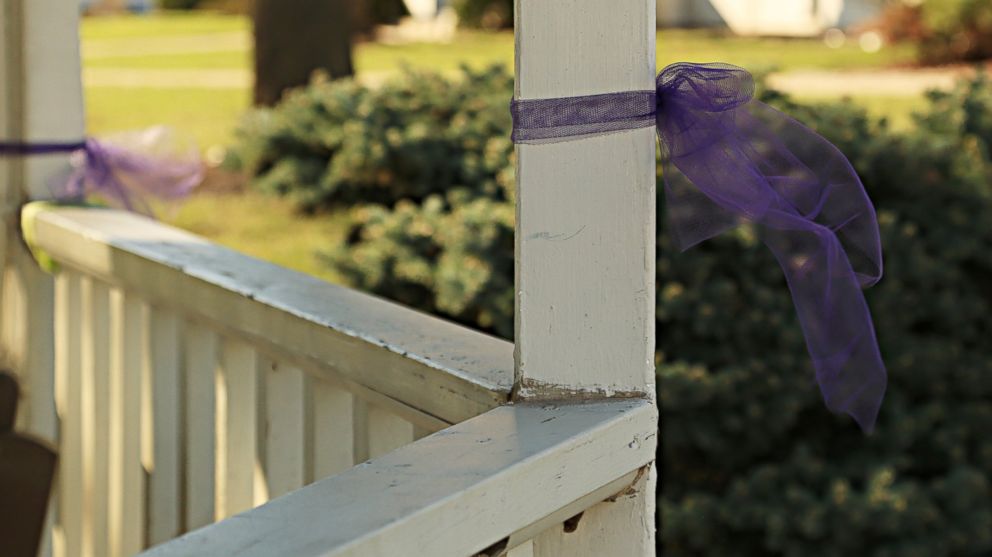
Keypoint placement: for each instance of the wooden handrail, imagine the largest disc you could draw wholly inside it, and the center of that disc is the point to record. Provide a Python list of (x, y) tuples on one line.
[(497, 481), (434, 366)]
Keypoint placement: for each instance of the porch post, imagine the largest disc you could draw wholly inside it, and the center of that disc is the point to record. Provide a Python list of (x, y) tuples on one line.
[(585, 241), (40, 100)]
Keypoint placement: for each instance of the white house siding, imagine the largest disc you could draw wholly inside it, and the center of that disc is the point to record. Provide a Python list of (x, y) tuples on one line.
[(423, 9), (766, 17)]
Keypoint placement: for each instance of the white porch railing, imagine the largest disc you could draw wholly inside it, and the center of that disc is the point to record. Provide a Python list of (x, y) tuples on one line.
[(193, 383), (186, 384), (226, 380)]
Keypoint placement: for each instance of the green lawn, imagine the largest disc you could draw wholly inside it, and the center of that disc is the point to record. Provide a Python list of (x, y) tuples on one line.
[(473, 48), (220, 59), (208, 115), (198, 43), (160, 25), (263, 227)]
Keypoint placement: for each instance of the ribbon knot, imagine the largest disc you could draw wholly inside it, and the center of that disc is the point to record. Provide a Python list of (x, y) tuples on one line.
[(704, 87), (729, 159), (129, 170)]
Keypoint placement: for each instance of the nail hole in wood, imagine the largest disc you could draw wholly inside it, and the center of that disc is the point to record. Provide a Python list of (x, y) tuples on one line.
[(495, 550), (572, 524)]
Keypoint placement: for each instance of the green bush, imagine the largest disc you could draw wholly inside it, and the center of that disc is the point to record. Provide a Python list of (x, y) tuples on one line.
[(943, 30), (751, 463), (485, 14), (451, 255), (340, 143)]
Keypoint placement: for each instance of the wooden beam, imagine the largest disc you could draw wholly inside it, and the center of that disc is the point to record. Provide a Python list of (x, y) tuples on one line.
[(453, 493)]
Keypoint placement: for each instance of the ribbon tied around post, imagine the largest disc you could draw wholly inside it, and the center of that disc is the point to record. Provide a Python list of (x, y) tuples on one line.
[(128, 170), (727, 159)]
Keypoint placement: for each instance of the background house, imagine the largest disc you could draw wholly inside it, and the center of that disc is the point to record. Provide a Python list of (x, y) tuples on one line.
[(767, 17)]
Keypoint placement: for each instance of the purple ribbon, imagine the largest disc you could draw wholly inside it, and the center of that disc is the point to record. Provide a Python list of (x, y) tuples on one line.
[(728, 159), (151, 165)]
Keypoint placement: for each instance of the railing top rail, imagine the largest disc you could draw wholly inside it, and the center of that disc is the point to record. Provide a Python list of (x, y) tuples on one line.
[(437, 367), (495, 480)]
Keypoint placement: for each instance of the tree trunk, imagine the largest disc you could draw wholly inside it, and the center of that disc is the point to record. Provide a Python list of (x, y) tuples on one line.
[(366, 14), (294, 38)]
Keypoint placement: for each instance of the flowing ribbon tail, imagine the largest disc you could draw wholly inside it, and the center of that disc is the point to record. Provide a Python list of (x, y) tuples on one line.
[(729, 159), (835, 319), (132, 170)]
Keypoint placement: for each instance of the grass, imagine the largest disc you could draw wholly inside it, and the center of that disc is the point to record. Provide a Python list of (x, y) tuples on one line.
[(267, 227), (206, 114), (160, 25), (473, 48), (217, 60), (263, 227)]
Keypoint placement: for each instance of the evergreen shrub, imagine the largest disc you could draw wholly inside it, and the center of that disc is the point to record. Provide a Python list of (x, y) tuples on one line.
[(340, 143), (751, 463), (944, 31), (484, 14)]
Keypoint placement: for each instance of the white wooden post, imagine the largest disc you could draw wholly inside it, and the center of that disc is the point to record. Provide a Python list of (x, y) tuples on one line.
[(40, 100), (586, 241)]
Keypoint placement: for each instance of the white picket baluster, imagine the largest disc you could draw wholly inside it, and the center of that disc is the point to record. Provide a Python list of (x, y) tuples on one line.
[(286, 410), (386, 431), (96, 408), (135, 357), (201, 419), (238, 443), (73, 501), (162, 437), (333, 431)]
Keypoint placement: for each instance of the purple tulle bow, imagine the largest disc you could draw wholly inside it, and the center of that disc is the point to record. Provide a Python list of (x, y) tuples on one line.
[(127, 170), (728, 159)]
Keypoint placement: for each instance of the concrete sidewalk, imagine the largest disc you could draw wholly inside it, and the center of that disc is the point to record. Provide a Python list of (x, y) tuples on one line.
[(888, 83)]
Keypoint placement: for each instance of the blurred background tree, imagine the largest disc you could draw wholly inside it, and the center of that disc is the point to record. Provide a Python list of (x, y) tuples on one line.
[(294, 38), (366, 14), (944, 31)]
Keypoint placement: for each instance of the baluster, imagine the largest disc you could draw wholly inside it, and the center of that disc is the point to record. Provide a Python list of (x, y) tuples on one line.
[(332, 428), (201, 420), (238, 397), (94, 414), (116, 426), (134, 354), (69, 401), (162, 401), (386, 431), (360, 426), (525, 549), (286, 409)]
